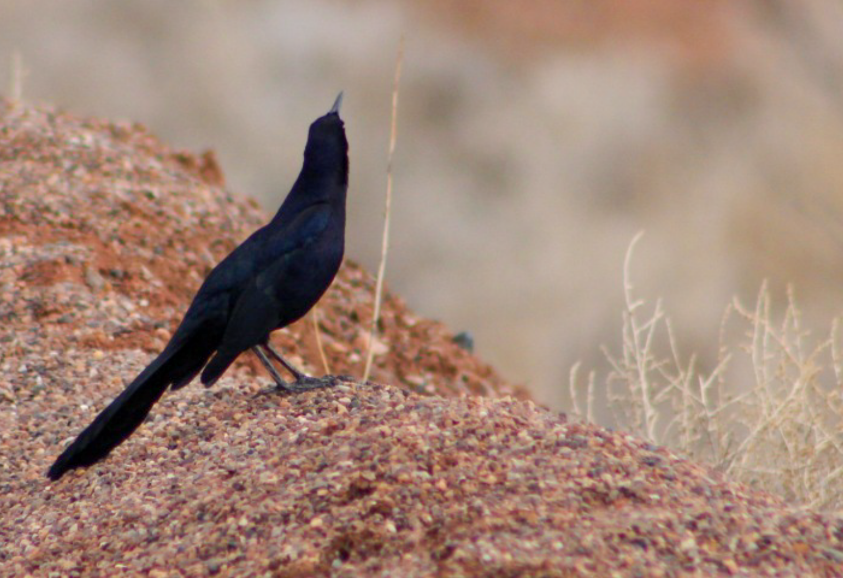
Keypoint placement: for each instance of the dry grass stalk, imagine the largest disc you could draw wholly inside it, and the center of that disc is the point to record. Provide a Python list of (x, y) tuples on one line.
[(573, 380), (393, 133), (314, 316), (18, 73)]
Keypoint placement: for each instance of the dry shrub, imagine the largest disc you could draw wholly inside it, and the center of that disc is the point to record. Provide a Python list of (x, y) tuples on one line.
[(770, 414)]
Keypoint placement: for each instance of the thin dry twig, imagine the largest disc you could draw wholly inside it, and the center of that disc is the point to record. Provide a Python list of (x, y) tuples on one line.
[(768, 414), (18, 73), (393, 133), (314, 316), (587, 412)]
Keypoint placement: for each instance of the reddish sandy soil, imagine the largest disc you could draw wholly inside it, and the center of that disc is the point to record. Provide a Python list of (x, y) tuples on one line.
[(439, 468)]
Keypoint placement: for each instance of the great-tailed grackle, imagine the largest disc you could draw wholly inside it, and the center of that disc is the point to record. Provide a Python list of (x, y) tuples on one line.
[(272, 279)]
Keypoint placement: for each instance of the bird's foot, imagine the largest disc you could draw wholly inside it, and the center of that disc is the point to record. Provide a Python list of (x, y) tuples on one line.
[(307, 383)]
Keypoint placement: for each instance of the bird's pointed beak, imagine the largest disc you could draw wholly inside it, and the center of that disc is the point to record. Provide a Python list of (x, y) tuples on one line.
[(337, 104)]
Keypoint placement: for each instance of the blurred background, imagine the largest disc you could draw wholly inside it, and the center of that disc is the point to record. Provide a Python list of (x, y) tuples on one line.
[(535, 139)]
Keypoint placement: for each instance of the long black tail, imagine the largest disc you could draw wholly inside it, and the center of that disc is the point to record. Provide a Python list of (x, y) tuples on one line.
[(216, 367), (175, 365)]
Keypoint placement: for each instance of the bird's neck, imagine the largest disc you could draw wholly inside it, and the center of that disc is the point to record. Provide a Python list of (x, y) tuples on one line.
[(308, 192)]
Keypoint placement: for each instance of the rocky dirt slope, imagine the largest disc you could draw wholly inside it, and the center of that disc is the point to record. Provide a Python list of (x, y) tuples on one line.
[(104, 235)]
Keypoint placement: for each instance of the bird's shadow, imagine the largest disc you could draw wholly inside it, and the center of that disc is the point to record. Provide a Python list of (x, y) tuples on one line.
[(307, 383)]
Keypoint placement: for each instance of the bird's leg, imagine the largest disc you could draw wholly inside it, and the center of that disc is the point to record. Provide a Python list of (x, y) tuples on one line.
[(299, 375), (279, 381), (303, 381)]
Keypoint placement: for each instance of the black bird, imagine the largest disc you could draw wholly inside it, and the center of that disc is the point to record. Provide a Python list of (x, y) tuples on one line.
[(266, 283)]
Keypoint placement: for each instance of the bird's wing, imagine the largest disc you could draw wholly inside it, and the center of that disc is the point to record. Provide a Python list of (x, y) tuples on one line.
[(276, 295), (297, 233), (231, 278)]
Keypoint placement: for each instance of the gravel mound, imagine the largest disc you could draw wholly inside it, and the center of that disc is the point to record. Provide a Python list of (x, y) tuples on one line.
[(105, 233)]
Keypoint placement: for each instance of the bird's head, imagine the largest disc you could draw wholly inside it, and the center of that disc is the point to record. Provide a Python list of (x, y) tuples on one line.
[(327, 147)]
